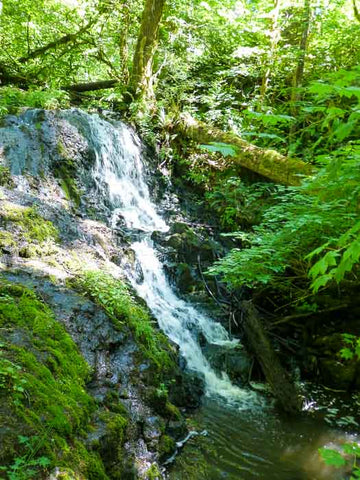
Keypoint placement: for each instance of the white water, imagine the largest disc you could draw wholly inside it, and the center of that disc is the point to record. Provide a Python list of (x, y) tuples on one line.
[(119, 169)]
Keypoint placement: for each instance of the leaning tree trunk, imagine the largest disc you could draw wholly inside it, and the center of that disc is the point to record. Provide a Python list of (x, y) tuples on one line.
[(281, 386), (268, 163), (140, 84)]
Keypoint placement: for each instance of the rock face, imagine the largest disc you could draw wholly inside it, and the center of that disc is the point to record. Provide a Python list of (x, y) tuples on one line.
[(53, 229)]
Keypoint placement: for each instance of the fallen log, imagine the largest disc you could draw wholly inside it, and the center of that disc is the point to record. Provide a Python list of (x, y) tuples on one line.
[(91, 86), (281, 386), (268, 163)]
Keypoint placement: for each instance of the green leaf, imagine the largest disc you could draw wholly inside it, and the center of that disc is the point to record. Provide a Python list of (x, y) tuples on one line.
[(225, 149), (352, 449), (332, 457), (23, 439), (344, 130), (321, 282), (317, 251), (43, 461), (346, 354)]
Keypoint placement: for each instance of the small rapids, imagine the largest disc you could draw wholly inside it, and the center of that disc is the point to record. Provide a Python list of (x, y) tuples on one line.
[(119, 173)]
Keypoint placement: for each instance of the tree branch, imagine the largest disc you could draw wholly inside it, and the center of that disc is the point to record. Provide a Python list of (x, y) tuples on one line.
[(60, 41)]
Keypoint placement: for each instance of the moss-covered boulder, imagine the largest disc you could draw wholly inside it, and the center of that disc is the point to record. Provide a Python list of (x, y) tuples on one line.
[(44, 405)]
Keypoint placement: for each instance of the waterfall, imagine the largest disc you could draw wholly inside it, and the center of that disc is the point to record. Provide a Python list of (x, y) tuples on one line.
[(119, 173)]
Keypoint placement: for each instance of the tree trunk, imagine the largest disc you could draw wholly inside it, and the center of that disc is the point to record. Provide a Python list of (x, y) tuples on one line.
[(275, 36), (356, 11), (282, 387), (123, 43), (268, 163), (299, 72), (141, 75)]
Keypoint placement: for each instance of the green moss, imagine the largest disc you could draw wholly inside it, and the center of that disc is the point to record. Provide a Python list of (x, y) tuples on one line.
[(166, 447), (153, 473), (32, 226), (115, 427), (65, 171), (6, 240), (83, 460), (171, 411), (111, 446), (42, 380), (5, 177), (113, 403), (68, 184), (114, 296)]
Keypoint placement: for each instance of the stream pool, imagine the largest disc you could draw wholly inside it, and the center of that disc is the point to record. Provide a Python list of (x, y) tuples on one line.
[(246, 445)]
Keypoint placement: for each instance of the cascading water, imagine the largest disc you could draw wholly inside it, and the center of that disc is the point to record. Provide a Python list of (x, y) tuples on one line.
[(119, 169), (260, 444)]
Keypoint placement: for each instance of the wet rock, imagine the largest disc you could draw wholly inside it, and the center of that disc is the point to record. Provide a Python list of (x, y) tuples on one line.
[(176, 429), (185, 279), (187, 390), (152, 430)]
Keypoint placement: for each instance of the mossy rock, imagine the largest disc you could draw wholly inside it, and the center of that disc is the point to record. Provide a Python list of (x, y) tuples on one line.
[(111, 444), (5, 177), (119, 303), (180, 227), (66, 175), (7, 242), (167, 447), (153, 473), (30, 223), (42, 386), (185, 280)]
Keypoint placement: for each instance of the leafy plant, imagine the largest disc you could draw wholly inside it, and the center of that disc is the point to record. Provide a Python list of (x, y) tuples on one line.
[(12, 98), (28, 465), (353, 348), (349, 454), (236, 203), (224, 148), (311, 230)]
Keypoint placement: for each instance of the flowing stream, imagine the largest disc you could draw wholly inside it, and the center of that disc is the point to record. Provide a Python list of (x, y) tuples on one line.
[(119, 169), (247, 439)]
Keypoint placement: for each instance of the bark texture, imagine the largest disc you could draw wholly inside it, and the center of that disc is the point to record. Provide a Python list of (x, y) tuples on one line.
[(283, 389), (268, 163), (141, 75)]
